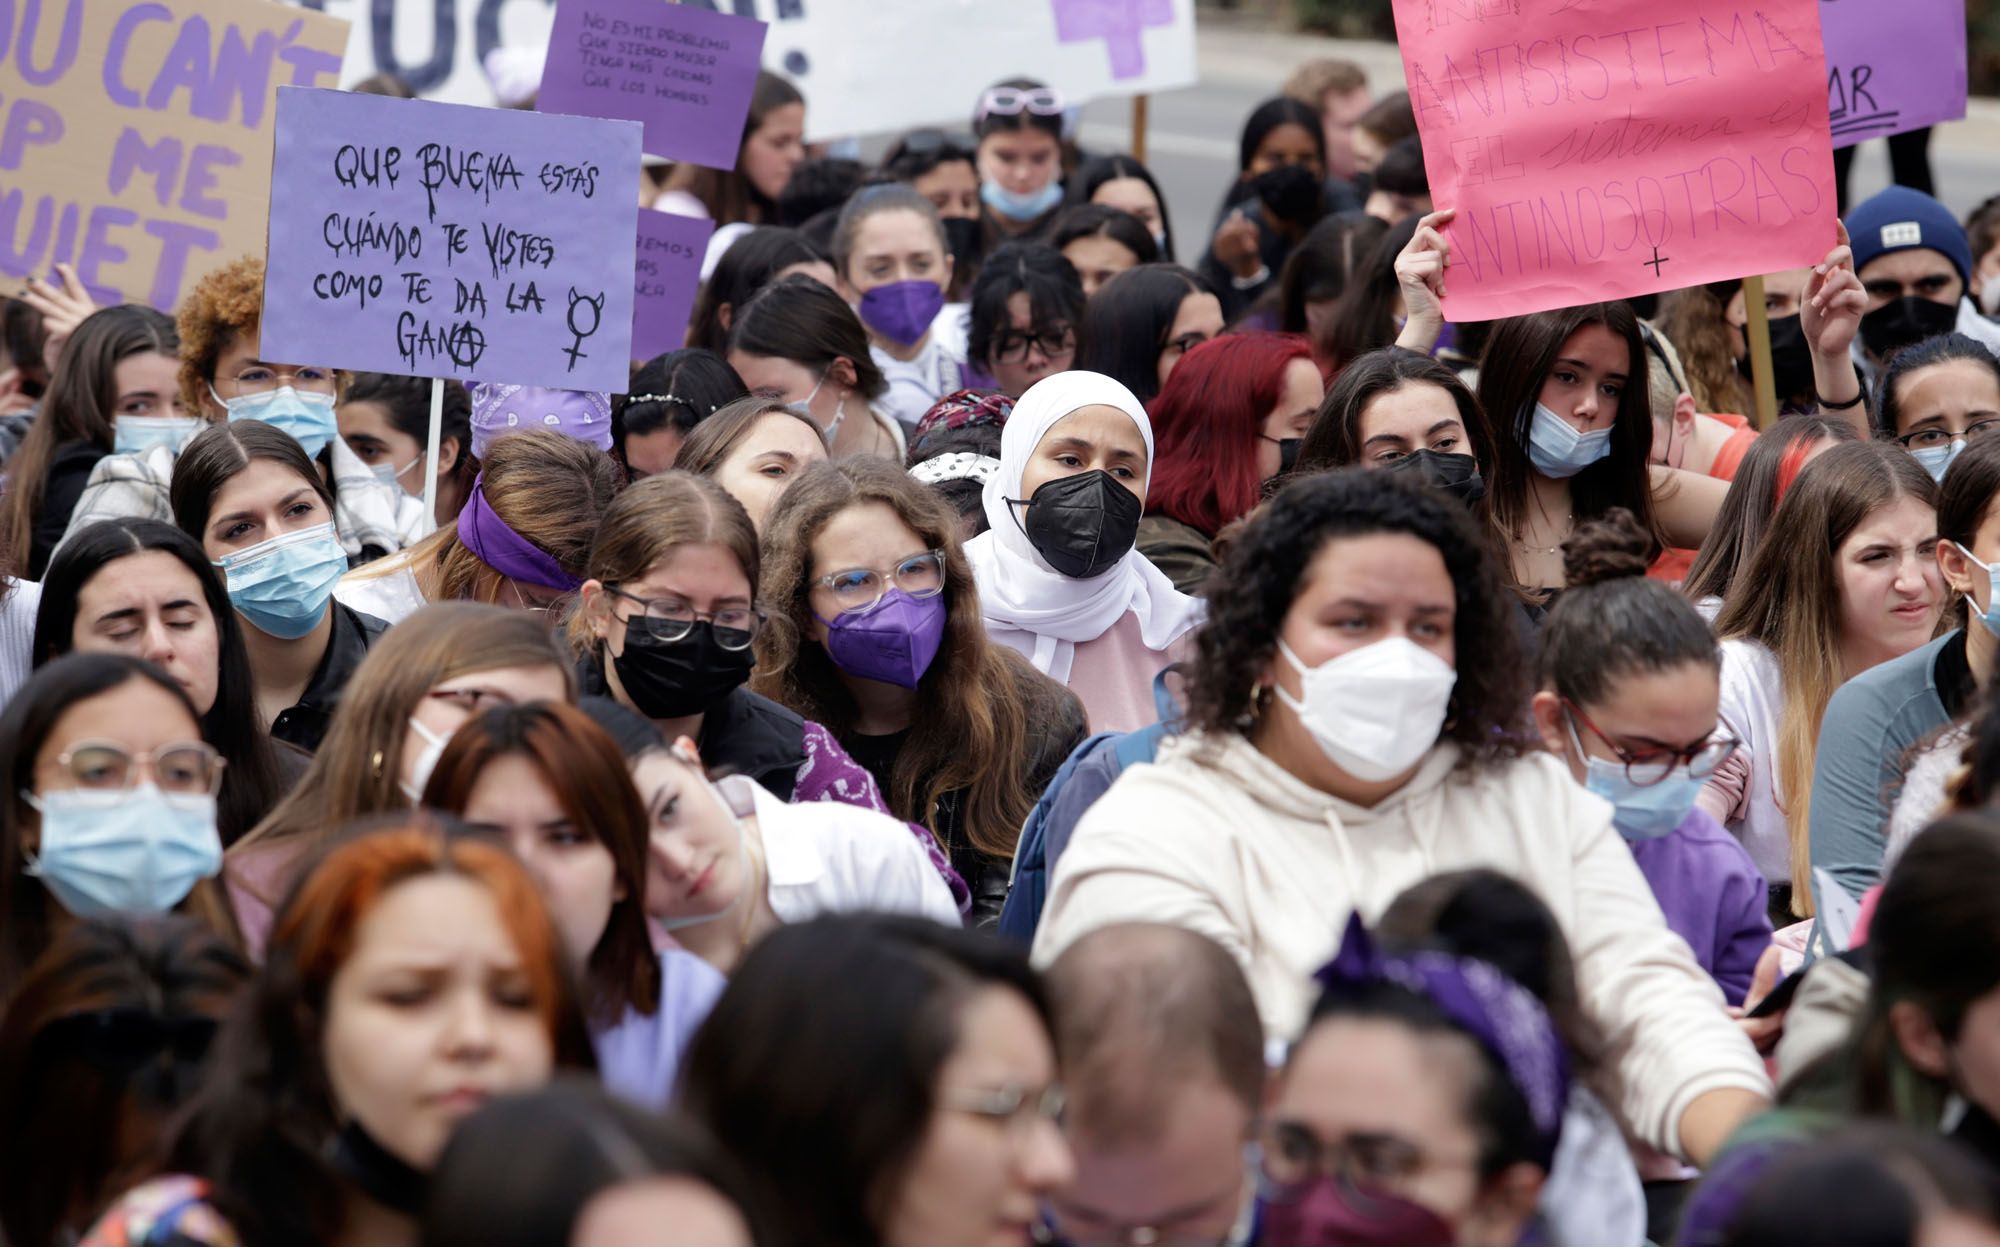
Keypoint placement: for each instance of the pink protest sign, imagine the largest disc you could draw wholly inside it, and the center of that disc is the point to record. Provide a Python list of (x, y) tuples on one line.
[(1892, 65), (666, 273), (1599, 149)]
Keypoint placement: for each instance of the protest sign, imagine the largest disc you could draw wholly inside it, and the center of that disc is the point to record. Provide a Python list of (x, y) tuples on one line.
[(683, 72), (1892, 65), (135, 135), (1596, 151), (440, 240), (666, 272)]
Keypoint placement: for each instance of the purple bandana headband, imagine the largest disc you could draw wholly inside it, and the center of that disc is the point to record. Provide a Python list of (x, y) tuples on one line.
[(504, 550), (1494, 1009)]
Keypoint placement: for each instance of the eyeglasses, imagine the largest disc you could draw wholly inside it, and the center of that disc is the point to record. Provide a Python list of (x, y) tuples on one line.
[(1013, 101), (258, 379), (1928, 439), (1295, 1159), (188, 769), (1017, 1108), (920, 575), (670, 619), (1654, 765), (1012, 348)]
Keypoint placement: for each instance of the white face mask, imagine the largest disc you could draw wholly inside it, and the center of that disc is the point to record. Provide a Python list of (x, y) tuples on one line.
[(1374, 711), (1989, 295), (420, 770)]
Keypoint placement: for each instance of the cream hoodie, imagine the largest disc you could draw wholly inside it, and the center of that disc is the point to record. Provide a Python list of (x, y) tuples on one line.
[(1216, 837)]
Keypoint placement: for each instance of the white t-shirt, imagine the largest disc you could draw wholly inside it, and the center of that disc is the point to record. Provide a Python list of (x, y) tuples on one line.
[(1753, 702), (916, 385)]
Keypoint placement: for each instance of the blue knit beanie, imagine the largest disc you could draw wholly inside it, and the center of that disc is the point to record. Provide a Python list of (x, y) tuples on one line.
[(1900, 219)]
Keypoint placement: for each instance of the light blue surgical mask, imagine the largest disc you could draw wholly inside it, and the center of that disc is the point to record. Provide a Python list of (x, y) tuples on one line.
[(135, 435), (390, 474), (1020, 207), (1639, 811), (1558, 451), (282, 585), (1991, 615), (134, 851), (309, 418), (1937, 460)]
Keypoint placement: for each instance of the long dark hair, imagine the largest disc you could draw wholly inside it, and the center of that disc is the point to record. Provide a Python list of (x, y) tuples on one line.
[(101, 1044), (1100, 221), (1250, 594), (1365, 318), (1126, 324), (214, 456), (747, 267), (1334, 440), (1763, 478), (1328, 261), (677, 391), (408, 402), (801, 320), (1055, 295), (78, 407), (1096, 171), (253, 782), (825, 1097)]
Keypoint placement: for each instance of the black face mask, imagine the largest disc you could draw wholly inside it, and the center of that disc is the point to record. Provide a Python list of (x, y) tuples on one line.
[(1288, 453), (1457, 475), (385, 1178), (1083, 524), (675, 679), (1905, 322), (1292, 193), (962, 235), (1791, 360)]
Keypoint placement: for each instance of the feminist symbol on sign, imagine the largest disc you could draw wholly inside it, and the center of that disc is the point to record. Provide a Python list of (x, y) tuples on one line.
[(575, 349), (1120, 23)]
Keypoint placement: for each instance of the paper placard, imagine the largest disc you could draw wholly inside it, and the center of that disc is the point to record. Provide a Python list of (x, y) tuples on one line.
[(1892, 65), (440, 240), (667, 273)]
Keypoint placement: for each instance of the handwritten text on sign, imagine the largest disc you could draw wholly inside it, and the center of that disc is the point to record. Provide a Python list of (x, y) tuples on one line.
[(1595, 151), (667, 273), (442, 240), (135, 138), (683, 72), (1893, 65)]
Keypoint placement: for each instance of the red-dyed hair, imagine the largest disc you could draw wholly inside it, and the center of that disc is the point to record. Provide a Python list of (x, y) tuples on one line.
[(1789, 466), (1206, 425)]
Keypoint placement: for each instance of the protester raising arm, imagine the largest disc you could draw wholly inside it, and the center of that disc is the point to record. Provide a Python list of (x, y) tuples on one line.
[(1831, 315)]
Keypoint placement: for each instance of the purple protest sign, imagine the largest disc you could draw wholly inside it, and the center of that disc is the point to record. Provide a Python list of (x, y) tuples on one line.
[(683, 72), (666, 273), (440, 240), (1892, 65)]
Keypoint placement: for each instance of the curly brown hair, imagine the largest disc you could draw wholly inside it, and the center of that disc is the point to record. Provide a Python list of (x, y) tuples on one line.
[(227, 302)]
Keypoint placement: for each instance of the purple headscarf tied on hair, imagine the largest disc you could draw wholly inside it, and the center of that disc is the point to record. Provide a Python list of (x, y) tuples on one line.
[(1492, 1008), (498, 410), (504, 550)]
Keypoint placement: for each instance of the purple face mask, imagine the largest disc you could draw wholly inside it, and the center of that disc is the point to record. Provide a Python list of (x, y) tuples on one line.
[(1327, 1215), (902, 311), (893, 642)]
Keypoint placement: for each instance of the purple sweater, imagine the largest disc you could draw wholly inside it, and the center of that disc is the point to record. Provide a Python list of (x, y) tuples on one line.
[(1713, 896)]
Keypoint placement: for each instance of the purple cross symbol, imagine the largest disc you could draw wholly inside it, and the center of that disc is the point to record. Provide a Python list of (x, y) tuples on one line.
[(1118, 22)]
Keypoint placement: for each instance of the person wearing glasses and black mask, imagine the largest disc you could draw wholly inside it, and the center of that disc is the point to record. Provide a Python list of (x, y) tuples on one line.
[(1026, 310), (1019, 127)]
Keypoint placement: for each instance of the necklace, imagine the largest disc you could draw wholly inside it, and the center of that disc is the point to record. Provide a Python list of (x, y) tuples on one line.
[(1554, 549)]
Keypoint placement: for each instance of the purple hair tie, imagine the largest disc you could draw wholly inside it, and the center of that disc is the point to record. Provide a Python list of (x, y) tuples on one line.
[(504, 550)]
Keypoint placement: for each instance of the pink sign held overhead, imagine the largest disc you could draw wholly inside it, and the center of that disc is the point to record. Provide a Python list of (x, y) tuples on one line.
[(666, 273), (1600, 149)]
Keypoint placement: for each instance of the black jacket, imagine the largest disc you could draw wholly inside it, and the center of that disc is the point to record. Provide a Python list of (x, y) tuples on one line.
[(305, 723), (744, 734)]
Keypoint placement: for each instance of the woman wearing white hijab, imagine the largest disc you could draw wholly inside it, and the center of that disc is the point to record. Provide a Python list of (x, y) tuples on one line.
[(1059, 578)]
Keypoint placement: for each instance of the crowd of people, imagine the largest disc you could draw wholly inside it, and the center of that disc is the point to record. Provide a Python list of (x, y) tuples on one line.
[(1008, 738)]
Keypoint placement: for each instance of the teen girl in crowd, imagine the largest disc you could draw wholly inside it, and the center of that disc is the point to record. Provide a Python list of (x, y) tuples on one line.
[(875, 631), (420, 683), (1768, 470), (1118, 181), (1629, 698), (939, 166), (1018, 124), (1874, 720), (1373, 309), (753, 261), (250, 496), (1327, 261), (410, 978), (1337, 753), (1229, 419), (385, 420), (895, 264), (110, 807), (797, 343), (551, 786), (102, 1045), (221, 378), (147, 590), (1278, 195), (670, 395), (953, 1138), (601, 1173), (754, 448), (113, 390), (519, 542), (1937, 397), (1401, 409), (1854, 582), (1101, 243), (1060, 578), (1023, 319), (1143, 321), (773, 145)]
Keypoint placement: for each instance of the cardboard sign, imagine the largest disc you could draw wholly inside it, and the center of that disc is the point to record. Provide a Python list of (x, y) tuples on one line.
[(135, 135), (1599, 149), (1892, 65), (667, 274), (440, 240), (683, 72)]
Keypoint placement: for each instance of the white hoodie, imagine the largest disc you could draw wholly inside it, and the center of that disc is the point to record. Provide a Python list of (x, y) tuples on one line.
[(1216, 837)]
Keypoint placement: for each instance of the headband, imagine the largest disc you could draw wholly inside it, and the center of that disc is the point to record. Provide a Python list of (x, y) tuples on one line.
[(635, 399), (959, 466), (1501, 1014), (504, 550)]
